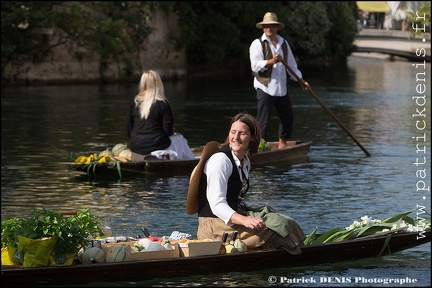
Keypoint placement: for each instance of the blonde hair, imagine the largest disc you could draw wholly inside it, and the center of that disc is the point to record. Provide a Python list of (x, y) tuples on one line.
[(150, 89)]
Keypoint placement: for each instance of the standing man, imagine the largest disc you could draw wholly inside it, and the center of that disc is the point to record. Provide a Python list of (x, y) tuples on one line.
[(270, 82)]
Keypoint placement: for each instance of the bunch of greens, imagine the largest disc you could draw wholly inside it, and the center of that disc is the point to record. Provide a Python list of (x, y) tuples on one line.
[(368, 226), (9, 229), (71, 232)]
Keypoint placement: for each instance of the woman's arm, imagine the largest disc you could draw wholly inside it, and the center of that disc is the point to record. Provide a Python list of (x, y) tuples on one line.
[(218, 169), (168, 120)]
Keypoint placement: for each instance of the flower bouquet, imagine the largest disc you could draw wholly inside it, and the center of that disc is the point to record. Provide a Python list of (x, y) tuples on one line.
[(368, 226)]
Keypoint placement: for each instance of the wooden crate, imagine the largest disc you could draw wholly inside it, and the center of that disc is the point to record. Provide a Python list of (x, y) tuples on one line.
[(199, 247), (133, 255)]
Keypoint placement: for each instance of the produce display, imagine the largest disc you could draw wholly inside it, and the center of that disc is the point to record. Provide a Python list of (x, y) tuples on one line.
[(93, 255), (86, 243), (120, 152), (116, 254)]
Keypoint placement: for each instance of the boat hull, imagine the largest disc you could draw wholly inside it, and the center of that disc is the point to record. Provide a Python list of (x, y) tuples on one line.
[(173, 267), (295, 151)]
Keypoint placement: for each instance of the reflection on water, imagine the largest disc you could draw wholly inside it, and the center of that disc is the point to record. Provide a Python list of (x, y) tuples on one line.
[(43, 127)]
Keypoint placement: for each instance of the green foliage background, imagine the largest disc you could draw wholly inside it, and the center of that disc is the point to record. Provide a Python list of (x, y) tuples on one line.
[(214, 33)]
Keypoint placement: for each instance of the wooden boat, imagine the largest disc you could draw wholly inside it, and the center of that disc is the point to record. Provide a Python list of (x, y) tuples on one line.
[(348, 250), (151, 164)]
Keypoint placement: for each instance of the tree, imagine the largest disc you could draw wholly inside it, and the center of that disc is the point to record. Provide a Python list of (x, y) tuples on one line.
[(113, 30), (215, 34), (420, 20), (19, 22)]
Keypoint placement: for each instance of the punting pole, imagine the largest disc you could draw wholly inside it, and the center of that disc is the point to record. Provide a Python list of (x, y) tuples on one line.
[(302, 82)]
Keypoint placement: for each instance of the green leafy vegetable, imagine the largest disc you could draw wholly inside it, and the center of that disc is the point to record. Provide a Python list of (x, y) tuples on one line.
[(72, 232)]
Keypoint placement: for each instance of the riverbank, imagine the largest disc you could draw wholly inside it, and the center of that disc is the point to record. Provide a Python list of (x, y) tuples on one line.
[(64, 69)]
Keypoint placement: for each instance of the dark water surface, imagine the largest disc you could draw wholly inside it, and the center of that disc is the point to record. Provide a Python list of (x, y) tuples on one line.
[(335, 185)]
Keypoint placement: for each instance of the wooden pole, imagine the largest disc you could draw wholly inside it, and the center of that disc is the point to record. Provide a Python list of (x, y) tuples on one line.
[(302, 82)]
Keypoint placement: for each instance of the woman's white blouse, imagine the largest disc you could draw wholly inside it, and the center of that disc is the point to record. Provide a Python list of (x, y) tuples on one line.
[(218, 169)]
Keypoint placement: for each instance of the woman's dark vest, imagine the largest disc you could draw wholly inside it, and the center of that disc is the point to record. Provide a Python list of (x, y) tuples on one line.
[(234, 187)]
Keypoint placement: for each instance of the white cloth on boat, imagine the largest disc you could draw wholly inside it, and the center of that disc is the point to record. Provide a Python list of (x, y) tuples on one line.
[(178, 150), (160, 154), (177, 235)]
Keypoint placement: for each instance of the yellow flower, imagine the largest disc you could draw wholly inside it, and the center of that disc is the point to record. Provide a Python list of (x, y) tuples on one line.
[(89, 159), (80, 159), (105, 158)]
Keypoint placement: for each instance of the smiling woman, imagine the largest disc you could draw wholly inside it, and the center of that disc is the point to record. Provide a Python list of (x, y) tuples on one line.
[(221, 187)]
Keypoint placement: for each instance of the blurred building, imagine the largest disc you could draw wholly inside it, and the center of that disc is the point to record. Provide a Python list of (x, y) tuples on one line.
[(385, 14)]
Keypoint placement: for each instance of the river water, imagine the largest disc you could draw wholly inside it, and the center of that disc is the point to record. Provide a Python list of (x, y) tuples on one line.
[(336, 184)]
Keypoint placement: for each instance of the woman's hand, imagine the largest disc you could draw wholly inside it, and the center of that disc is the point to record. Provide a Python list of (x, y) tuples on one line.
[(254, 223)]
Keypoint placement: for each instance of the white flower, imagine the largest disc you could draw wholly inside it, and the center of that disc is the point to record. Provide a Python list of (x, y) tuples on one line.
[(412, 228), (418, 227), (399, 225), (354, 225), (367, 221)]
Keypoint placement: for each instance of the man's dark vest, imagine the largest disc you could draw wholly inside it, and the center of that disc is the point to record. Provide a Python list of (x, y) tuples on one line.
[(234, 186), (264, 77)]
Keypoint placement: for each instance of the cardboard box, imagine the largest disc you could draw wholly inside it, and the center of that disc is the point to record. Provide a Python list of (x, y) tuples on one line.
[(199, 247), (133, 255)]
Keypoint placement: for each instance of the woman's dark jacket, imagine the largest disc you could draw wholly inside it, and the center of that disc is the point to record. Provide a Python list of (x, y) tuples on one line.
[(147, 135)]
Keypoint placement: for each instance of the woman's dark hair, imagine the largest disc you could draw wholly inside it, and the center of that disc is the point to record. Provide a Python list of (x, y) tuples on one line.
[(253, 125)]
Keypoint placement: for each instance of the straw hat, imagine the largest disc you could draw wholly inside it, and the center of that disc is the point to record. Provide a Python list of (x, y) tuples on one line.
[(270, 18), (194, 182)]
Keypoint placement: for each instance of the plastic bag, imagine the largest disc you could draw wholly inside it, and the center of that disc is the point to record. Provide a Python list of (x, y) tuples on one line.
[(36, 252), (6, 256)]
